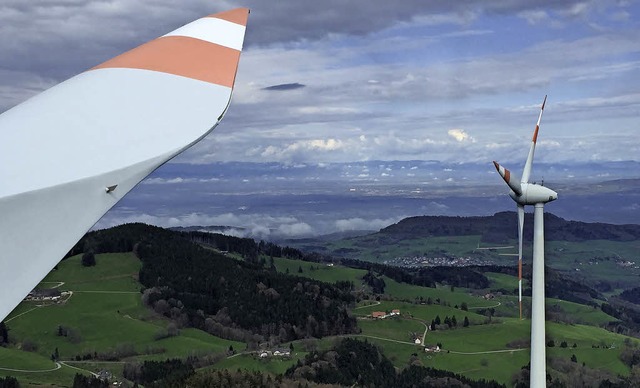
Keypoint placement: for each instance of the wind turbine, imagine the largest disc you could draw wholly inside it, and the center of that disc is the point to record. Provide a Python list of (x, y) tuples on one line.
[(525, 193)]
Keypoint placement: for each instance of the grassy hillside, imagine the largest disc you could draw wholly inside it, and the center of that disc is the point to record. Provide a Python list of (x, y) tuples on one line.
[(104, 313)]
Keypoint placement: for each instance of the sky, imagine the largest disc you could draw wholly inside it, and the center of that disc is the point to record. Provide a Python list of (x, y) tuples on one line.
[(341, 81)]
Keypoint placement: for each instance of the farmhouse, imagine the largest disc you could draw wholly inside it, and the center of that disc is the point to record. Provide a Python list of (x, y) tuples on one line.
[(275, 353), (383, 315), (44, 294), (282, 352), (266, 353)]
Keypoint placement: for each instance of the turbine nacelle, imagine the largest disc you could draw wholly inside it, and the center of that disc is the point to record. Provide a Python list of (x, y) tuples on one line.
[(533, 193)]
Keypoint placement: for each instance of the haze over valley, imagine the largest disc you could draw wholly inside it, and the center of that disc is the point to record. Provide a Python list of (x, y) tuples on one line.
[(276, 200)]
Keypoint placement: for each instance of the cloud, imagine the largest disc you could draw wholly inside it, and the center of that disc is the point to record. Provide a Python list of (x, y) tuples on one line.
[(386, 84), (298, 229), (282, 87), (460, 135), (299, 149), (259, 226), (358, 223), (535, 16), (435, 208)]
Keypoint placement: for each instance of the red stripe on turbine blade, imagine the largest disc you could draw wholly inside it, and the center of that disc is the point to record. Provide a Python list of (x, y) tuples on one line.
[(535, 134), (519, 269), (507, 175), (520, 309)]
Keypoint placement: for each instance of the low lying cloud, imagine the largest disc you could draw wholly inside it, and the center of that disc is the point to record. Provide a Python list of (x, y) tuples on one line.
[(357, 223), (258, 226)]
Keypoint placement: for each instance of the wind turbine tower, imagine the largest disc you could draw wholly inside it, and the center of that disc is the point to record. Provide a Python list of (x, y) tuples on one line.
[(525, 193)]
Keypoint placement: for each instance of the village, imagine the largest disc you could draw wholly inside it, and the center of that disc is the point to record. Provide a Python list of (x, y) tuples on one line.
[(446, 261)]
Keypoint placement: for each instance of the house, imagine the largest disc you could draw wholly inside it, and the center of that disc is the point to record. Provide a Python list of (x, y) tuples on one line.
[(104, 375), (282, 352), (378, 314), (395, 312), (432, 349), (417, 341), (44, 294)]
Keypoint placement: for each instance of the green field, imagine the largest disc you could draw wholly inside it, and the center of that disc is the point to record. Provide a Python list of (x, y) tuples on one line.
[(320, 271), (503, 281), (393, 328), (253, 362), (105, 312), (422, 312), (34, 368), (379, 247), (591, 260)]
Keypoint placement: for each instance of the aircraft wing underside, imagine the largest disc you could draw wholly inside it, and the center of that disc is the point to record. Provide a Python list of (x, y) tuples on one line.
[(72, 152)]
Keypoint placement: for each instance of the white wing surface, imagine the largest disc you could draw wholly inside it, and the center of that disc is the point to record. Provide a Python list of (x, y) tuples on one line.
[(70, 153)]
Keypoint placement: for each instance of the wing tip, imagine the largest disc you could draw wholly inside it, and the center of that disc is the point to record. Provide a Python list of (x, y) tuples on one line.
[(238, 16), (188, 55)]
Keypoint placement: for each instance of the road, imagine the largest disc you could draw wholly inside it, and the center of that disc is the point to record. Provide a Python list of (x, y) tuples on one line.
[(58, 366), (489, 351), (369, 305), (76, 368), (484, 307), (21, 314)]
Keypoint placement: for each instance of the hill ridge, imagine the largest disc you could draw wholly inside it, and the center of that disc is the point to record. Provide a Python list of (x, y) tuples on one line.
[(502, 226)]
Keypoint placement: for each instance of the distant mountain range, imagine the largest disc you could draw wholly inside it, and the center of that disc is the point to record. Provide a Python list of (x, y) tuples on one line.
[(279, 201)]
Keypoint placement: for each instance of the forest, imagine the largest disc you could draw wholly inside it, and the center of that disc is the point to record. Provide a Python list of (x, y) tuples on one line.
[(360, 363), (234, 299)]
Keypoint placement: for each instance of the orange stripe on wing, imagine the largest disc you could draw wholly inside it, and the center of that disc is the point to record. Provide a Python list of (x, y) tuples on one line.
[(238, 16), (184, 56), (507, 175)]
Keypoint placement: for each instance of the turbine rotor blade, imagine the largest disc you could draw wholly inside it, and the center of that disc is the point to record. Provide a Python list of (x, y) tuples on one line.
[(526, 173), (520, 233), (511, 181)]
